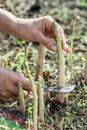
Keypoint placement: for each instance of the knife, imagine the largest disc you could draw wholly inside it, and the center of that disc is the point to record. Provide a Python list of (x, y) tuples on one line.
[(66, 89)]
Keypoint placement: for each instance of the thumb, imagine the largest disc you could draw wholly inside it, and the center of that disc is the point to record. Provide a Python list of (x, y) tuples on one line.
[(47, 42), (25, 83)]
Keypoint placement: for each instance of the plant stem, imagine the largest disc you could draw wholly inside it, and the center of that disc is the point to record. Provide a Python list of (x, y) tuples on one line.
[(40, 62), (34, 92), (61, 69), (39, 77), (21, 98), (41, 99), (26, 53), (5, 63), (86, 67), (61, 122), (72, 37)]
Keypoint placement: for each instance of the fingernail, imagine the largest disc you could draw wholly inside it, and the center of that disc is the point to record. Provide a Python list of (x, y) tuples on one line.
[(54, 47)]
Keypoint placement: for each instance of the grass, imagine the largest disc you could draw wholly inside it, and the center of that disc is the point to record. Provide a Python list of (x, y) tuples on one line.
[(8, 125)]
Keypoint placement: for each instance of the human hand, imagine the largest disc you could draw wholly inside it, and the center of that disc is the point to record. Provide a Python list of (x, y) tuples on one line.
[(41, 30), (9, 84)]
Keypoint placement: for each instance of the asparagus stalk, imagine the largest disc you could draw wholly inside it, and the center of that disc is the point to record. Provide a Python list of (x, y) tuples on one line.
[(5, 63), (71, 57), (41, 99), (21, 99), (35, 101), (39, 77), (26, 53), (61, 70), (86, 67), (61, 62), (40, 62)]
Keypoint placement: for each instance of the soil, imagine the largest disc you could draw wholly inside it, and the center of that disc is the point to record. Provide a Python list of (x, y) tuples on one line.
[(73, 113), (13, 115)]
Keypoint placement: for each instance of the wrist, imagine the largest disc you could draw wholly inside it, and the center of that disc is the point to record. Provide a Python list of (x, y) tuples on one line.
[(14, 27), (18, 27), (23, 28)]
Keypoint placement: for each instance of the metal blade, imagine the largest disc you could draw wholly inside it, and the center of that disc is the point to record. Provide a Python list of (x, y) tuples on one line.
[(66, 89)]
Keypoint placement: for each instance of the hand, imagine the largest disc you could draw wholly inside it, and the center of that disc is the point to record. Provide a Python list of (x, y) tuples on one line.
[(41, 30), (9, 84)]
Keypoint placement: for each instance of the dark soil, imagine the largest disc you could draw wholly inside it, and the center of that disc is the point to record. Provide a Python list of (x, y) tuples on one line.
[(13, 115)]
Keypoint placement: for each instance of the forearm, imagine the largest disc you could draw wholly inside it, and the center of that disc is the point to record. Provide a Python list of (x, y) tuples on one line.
[(8, 23)]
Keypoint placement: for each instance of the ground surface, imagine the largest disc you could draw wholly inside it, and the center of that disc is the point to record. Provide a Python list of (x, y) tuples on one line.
[(73, 113)]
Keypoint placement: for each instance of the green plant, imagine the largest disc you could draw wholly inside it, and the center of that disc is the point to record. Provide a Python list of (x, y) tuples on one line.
[(18, 61), (8, 125), (35, 97), (86, 67), (17, 41), (68, 117), (71, 57), (61, 70), (82, 3), (5, 63), (30, 112), (30, 109)]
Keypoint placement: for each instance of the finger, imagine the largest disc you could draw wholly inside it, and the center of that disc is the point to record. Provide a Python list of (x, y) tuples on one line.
[(26, 93), (63, 39), (47, 42), (3, 99), (67, 49), (25, 83), (61, 32), (15, 93), (8, 95)]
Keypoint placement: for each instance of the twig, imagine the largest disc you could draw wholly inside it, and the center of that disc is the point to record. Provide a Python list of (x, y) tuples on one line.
[(50, 128), (48, 116), (73, 128)]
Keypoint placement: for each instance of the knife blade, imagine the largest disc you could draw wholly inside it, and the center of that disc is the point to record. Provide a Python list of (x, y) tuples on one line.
[(66, 89)]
